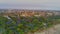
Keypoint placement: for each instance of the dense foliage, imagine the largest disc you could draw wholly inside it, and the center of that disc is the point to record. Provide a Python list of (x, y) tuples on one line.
[(23, 25)]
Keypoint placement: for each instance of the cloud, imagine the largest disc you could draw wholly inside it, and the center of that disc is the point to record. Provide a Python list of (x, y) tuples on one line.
[(29, 4), (23, 1)]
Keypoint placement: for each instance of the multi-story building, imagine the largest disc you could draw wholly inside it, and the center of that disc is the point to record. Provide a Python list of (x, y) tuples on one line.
[(28, 13)]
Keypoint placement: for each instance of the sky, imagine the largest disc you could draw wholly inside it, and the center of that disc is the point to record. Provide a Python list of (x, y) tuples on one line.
[(30, 4)]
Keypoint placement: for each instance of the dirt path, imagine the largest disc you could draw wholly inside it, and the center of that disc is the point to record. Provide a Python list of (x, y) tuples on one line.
[(53, 30)]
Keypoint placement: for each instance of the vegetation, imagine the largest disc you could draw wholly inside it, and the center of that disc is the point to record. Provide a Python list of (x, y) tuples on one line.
[(23, 25)]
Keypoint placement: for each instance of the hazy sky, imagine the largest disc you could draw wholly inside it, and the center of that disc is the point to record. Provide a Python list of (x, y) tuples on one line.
[(30, 4)]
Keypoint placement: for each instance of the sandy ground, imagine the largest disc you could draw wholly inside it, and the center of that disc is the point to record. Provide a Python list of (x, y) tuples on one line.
[(53, 30)]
